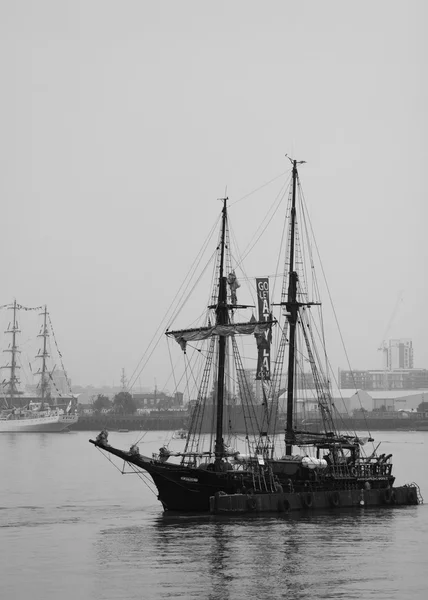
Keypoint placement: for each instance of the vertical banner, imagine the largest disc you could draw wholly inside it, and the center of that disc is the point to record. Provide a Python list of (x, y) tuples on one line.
[(263, 339)]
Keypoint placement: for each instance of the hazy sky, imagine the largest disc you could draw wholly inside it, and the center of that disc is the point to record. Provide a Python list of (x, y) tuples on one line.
[(123, 122)]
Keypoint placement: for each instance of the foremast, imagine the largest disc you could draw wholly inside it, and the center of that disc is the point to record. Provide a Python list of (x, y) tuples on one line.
[(222, 318), (220, 326), (221, 329)]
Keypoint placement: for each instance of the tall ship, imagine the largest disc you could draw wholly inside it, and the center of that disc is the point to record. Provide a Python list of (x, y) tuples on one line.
[(263, 471), (48, 410)]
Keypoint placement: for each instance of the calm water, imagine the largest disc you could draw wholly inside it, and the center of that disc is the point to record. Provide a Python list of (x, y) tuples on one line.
[(72, 527)]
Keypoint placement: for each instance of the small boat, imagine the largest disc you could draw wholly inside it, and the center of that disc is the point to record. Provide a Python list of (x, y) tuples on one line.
[(303, 468), (23, 413), (180, 434)]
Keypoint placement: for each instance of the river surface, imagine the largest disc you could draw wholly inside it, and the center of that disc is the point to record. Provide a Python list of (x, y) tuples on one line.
[(73, 528)]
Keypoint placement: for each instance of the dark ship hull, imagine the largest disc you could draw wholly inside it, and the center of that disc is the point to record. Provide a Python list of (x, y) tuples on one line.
[(181, 488), (318, 500), (185, 489)]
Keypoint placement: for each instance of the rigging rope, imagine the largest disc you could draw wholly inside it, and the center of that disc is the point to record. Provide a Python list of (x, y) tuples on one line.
[(332, 303), (259, 188), (262, 228), (180, 293), (60, 355)]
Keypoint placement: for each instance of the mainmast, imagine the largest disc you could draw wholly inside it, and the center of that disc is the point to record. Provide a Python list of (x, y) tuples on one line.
[(221, 319), (44, 356), (12, 385), (292, 308)]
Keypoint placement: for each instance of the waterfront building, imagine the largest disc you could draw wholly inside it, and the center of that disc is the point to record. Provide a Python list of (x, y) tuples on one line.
[(349, 401), (158, 399), (397, 372), (377, 379), (397, 354)]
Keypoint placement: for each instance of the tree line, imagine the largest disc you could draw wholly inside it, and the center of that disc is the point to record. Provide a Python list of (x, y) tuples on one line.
[(123, 403)]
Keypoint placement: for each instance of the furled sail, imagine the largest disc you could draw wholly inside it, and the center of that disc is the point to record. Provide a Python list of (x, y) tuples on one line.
[(202, 333)]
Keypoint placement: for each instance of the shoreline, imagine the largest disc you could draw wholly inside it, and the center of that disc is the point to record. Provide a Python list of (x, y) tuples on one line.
[(175, 422)]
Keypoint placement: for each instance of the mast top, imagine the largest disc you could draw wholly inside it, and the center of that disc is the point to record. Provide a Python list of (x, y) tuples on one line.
[(224, 200), (294, 161)]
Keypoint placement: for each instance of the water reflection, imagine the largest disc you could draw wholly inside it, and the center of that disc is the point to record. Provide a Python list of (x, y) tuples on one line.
[(11, 439), (291, 556), (74, 520), (218, 562)]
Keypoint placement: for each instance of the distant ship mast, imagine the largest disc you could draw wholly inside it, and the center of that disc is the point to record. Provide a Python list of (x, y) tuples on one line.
[(44, 355), (123, 381), (11, 386)]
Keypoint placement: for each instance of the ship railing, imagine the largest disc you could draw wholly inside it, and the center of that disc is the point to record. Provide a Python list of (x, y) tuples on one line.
[(339, 471), (367, 470), (373, 470)]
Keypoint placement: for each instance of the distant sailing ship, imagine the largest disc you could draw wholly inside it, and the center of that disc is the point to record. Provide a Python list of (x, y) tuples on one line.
[(22, 413), (311, 470)]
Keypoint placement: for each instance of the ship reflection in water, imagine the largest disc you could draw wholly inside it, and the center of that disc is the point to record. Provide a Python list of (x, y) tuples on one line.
[(294, 556)]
